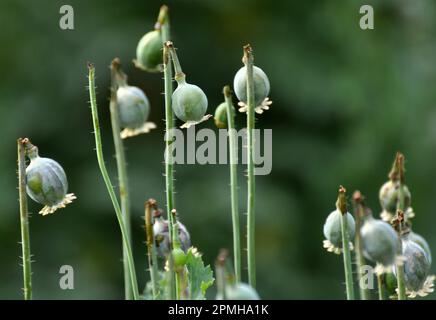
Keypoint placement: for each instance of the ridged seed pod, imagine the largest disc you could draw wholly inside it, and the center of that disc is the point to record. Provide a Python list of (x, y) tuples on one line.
[(389, 194), (134, 107), (418, 239), (416, 265), (189, 102), (332, 230), (379, 241), (46, 182), (149, 52), (220, 116), (162, 237), (261, 85)]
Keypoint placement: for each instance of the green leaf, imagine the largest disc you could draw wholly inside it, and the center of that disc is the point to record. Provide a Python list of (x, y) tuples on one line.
[(200, 277), (162, 287)]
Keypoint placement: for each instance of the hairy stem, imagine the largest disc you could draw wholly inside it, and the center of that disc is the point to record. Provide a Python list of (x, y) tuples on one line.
[(151, 246), (104, 173), (360, 260), (118, 76), (251, 254), (233, 181), (24, 220), (169, 171), (342, 207)]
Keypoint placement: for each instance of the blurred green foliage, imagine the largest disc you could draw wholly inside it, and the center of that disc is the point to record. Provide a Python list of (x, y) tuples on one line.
[(345, 100)]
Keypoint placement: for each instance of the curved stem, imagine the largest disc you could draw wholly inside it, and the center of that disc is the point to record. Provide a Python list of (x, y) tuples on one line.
[(116, 77), (358, 214), (179, 75), (151, 247), (251, 255), (342, 207), (233, 181), (24, 221), (104, 173)]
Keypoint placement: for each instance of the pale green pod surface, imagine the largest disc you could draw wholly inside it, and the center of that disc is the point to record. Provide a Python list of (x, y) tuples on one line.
[(149, 51), (162, 237), (418, 239), (388, 196), (332, 228), (220, 116), (379, 241), (241, 291), (261, 85), (391, 282), (46, 181), (189, 102), (133, 106), (416, 266)]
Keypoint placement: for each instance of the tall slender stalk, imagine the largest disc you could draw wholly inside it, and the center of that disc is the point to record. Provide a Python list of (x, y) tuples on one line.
[(360, 260), (342, 207), (24, 220), (251, 254), (169, 125), (233, 181), (397, 174), (118, 76), (163, 22), (151, 246), (104, 173)]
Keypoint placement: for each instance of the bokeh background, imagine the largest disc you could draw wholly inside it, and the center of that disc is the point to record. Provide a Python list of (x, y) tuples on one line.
[(345, 100)]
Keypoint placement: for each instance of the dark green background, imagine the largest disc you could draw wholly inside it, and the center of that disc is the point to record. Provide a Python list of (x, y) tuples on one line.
[(345, 100)]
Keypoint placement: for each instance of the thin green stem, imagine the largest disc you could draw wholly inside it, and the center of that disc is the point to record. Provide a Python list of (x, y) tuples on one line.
[(359, 214), (179, 75), (169, 171), (233, 181), (176, 244), (24, 221), (400, 269), (251, 254), (380, 285), (397, 173), (151, 246), (104, 173), (342, 207), (120, 156)]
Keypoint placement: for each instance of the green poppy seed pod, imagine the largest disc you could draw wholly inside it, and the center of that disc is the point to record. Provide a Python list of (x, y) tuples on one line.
[(379, 241), (332, 230), (162, 237), (149, 52), (261, 85), (389, 194), (220, 116), (179, 258), (419, 240), (133, 105), (46, 183), (241, 291), (189, 102), (416, 265)]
